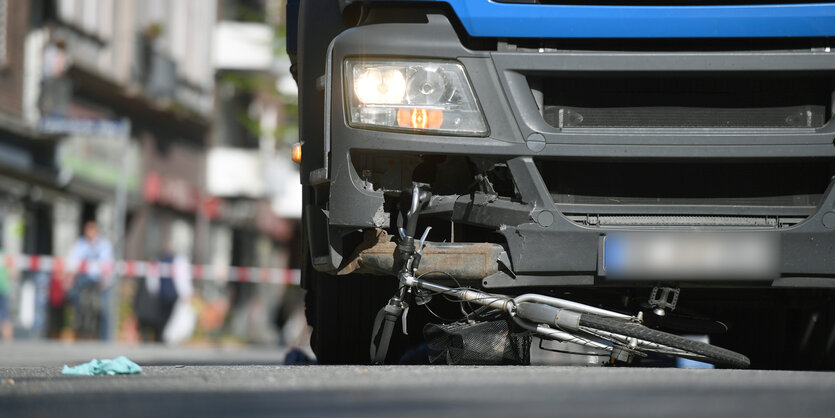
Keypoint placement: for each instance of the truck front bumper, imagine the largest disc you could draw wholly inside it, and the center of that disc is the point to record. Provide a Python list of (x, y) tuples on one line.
[(542, 246)]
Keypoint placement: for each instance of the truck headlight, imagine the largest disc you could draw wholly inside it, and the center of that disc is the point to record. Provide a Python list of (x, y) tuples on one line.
[(431, 97)]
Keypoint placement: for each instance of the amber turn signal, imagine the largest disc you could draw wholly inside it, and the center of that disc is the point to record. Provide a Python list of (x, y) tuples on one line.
[(420, 118), (296, 153)]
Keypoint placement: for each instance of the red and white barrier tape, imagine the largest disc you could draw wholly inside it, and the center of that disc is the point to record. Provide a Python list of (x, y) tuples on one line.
[(130, 268)]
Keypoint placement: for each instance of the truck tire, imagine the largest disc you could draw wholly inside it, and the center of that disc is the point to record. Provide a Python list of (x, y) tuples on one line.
[(341, 310)]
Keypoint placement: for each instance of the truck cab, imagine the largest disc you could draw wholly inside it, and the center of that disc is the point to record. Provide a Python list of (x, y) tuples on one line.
[(670, 156)]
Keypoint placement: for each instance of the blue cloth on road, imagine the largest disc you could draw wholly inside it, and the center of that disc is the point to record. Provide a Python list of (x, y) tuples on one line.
[(118, 365)]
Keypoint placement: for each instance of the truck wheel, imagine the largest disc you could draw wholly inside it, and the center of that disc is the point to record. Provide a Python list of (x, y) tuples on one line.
[(341, 310)]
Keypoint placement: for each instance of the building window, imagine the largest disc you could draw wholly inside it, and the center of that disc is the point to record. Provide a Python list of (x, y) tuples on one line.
[(3, 30)]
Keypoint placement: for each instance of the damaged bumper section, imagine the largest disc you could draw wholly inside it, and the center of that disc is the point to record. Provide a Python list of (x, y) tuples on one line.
[(463, 261), (542, 200)]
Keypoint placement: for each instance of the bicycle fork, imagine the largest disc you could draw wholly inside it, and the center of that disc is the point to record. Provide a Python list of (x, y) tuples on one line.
[(407, 260)]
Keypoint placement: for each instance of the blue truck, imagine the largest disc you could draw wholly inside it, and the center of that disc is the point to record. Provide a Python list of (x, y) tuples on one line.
[(672, 158)]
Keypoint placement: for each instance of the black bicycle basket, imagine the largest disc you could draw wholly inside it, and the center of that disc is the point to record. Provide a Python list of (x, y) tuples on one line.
[(477, 343)]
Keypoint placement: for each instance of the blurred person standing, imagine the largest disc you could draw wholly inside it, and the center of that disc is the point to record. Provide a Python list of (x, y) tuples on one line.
[(57, 302), (56, 87), (92, 257), (163, 301), (155, 299), (55, 60), (147, 305)]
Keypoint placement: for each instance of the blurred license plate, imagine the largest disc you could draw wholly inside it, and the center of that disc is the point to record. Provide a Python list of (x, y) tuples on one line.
[(691, 256)]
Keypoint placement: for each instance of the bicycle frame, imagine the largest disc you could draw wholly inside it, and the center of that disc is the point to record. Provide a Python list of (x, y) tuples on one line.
[(550, 331)]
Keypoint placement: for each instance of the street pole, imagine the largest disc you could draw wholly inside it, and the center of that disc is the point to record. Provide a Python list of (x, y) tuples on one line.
[(119, 229)]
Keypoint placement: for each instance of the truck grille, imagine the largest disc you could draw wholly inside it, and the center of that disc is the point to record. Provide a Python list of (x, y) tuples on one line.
[(744, 101), (685, 117), (686, 194)]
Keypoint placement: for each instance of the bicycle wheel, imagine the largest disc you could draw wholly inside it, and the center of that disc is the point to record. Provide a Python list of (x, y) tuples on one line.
[(709, 353)]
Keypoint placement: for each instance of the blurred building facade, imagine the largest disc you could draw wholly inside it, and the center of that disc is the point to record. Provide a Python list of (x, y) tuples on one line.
[(248, 166), (205, 174), (30, 184)]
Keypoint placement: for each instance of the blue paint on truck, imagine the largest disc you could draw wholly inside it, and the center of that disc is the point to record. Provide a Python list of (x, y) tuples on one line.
[(488, 18)]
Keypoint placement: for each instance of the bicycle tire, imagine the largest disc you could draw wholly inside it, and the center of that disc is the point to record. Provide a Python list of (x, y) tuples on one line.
[(712, 354)]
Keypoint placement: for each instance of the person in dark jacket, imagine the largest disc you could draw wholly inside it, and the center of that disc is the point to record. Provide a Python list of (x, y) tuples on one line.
[(155, 299)]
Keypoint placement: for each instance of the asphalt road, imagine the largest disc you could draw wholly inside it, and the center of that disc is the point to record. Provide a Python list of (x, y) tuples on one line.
[(238, 387)]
